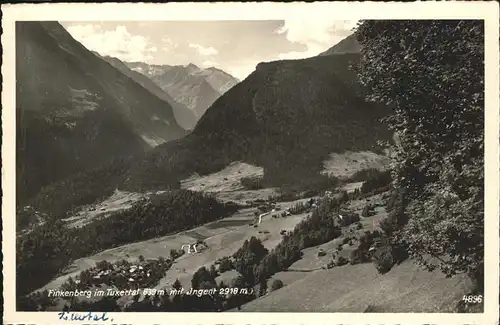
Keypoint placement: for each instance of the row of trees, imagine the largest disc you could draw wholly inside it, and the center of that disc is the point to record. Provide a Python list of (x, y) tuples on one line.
[(376, 181), (364, 175)]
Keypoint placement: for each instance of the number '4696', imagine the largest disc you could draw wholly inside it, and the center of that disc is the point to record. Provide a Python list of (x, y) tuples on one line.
[(471, 299)]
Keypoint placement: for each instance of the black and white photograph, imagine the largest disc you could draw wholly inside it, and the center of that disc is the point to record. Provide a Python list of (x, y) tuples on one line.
[(292, 165)]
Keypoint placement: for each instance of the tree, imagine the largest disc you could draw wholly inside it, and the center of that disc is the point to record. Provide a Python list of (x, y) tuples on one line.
[(431, 73), (213, 271), (341, 260), (355, 257), (248, 257), (305, 241), (173, 254), (236, 300), (69, 285), (202, 277), (103, 265), (177, 300), (177, 284), (262, 287), (366, 211), (277, 284), (225, 265), (344, 197), (396, 219), (383, 259)]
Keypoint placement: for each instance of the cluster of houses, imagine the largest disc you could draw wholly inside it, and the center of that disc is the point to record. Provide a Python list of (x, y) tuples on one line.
[(130, 273), (124, 274), (344, 218), (276, 212), (273, 210)]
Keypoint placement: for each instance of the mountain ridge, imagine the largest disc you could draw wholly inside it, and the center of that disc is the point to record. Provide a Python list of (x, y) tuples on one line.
[(75, 111), (184, 116), (189, 85), (347, 45)]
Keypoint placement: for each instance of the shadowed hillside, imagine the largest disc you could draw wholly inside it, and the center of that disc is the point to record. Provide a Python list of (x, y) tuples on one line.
[(75, 111), (287, 116)]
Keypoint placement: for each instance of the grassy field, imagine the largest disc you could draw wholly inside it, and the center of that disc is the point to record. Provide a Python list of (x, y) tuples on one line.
[(120, 200), (226, 183), (347, 163), (228, 179), (354, 288)]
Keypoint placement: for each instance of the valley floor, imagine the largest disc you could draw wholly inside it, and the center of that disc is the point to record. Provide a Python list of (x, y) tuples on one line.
[(308, 287), (223, 238)]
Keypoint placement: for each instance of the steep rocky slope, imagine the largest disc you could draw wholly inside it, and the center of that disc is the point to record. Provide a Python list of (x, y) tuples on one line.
[(218, 79), (191, 86), (184, 116)]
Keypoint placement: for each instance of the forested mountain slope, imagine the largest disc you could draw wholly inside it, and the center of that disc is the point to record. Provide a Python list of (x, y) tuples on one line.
[(76, 111)]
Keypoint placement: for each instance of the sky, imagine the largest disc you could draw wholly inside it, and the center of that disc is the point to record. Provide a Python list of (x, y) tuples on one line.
[(233, 46)]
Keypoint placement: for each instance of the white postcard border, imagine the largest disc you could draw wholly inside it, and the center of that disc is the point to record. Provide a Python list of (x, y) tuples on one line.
[(489, 11)]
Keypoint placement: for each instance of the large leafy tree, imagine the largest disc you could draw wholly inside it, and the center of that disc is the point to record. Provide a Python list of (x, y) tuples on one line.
[(432, 74)]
